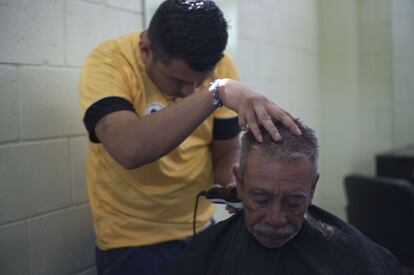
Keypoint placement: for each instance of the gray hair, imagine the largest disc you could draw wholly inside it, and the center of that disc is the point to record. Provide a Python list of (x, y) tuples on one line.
[(291, 147)]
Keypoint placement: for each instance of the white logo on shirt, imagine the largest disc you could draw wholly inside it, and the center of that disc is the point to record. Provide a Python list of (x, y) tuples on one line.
[(153, 107)]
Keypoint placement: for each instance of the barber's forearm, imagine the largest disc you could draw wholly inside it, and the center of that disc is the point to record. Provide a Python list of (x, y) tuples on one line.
[(146, 139), (138, 141)]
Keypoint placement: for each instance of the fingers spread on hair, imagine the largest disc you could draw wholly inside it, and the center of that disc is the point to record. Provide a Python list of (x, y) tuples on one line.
[(266, 121), (253, 126), (285, 118)]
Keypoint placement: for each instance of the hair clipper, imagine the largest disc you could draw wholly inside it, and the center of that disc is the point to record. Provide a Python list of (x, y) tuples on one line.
[(220, 195)]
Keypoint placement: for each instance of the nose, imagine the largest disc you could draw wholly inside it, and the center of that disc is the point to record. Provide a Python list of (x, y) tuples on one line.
[(188, 89), (275, 216)]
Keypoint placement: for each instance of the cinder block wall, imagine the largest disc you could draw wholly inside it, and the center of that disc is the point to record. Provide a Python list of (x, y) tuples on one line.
[(367, 88), (338, 98), (45, 223), (303, 54), (402, 31), (278, 53)]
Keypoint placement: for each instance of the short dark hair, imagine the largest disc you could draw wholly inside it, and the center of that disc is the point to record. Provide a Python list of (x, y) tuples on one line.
[(291, 147), (192, 30)]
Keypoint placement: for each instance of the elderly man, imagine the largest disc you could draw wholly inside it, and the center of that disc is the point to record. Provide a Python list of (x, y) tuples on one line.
[(279, 231)]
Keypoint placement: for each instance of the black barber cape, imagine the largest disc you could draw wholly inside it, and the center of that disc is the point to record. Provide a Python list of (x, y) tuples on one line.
[(324, 245)]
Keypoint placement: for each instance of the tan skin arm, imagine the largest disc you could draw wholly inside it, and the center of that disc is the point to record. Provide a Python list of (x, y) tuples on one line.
[(134, 141)]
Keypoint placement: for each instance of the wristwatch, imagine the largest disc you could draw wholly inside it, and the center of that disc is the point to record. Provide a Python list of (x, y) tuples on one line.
[(215, 97)]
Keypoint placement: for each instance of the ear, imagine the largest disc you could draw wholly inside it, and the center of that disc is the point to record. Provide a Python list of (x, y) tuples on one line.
[(145, 49), (313, 186), (237, 176)]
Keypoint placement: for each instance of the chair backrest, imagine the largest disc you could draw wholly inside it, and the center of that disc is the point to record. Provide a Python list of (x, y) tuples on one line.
[(383, 210)]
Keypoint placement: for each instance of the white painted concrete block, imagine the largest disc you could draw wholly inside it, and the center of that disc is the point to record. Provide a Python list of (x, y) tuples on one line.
[(32, 31), (269, 61), (277, 91), (50, 105), (367, 69), (304, 9), (404, 93), (14, 249), (269, 4), (132, 5), (253, 23), (384, 10), (375, 93), (277, 27), (403, 122), (62, 243), (375, 38), (383, 68), (247, 59), (385, 129), (299, 33), (35, 178), (403, 36), (9, 104), (89, 24), (403, 66), (291, 63), (368, 12), (78, 161), (403, 7)]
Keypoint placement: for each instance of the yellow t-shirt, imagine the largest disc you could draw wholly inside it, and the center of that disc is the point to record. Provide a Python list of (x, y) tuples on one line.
[(155, 202)]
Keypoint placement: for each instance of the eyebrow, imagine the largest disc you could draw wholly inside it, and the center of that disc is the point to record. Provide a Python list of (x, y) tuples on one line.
[(256, 190), (297, 194), (260, 191)]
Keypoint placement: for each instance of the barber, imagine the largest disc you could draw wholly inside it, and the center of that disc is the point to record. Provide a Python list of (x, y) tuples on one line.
[(163, 109)]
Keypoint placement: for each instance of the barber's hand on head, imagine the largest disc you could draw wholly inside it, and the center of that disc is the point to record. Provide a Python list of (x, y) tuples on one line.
[(255, 109)]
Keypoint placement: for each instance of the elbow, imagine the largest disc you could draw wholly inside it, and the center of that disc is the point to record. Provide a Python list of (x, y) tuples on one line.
[(134, 158), (129, 165), (128, 161)]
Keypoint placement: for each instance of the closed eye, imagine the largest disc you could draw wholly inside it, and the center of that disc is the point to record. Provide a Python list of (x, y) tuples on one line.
[(294, 202), (260, 199)]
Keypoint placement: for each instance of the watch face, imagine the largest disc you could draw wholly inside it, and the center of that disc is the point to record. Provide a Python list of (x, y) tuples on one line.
[(216, 100), (214, 84), (153, 107)]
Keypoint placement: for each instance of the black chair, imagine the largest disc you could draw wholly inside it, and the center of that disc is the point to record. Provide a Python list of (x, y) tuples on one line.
[(383, 210)]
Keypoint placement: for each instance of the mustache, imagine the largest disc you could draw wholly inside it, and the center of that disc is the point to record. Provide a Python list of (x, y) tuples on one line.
[(282, 232)]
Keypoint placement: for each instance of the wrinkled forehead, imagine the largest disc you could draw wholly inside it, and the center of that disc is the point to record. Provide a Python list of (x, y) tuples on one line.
[(285, 175), (259, 156)]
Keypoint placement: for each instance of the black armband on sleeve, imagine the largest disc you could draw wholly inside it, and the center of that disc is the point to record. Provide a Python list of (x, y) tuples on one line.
[(100, 109), (225, 128)]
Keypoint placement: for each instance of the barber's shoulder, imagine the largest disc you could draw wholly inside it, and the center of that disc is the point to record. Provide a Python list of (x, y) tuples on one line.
[(114, 46), (226, 68), (225, 62)]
